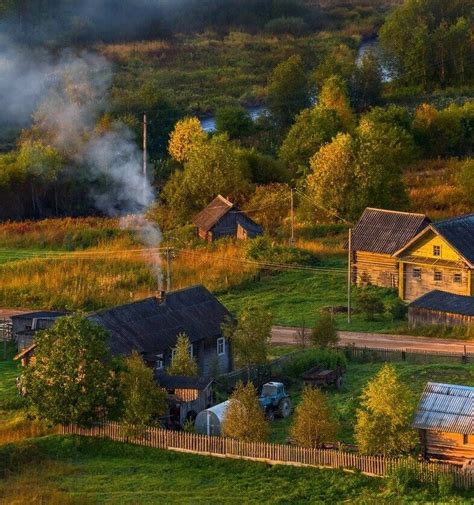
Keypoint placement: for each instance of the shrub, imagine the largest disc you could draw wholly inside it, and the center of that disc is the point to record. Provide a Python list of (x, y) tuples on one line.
[(369, 303), (445, 484), (324, 333), (396, 309), (263, 249), (402, 479), (298, 364)]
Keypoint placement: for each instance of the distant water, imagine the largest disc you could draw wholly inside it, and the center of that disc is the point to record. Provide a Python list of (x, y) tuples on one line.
[(209, 123)]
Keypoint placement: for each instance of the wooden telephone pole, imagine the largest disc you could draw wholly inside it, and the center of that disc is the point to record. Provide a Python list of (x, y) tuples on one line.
[(169, 257), (292, 239), (349, 275)]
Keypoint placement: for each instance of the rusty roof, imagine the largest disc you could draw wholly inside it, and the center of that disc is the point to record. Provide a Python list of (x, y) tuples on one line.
[(386, 231), (215, 211), (445, 302), (446, 407)]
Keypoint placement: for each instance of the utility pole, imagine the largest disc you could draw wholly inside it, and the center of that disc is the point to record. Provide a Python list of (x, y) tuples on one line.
[(168, 268), (349, 275), (292, 239)]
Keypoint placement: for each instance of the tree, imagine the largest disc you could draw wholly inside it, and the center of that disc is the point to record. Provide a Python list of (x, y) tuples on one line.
[(213, 167), (244, 418), (72, 380), (466, 179), (324, 333), (186, 134), (312, 129), (288, 91), (334, 96), (143, 400), (235, 121), (383, 423), (263, 168), (182, 362), (250, 335), (366, 82), (314, 424), (340, 61), (331, 182), (369, 302)]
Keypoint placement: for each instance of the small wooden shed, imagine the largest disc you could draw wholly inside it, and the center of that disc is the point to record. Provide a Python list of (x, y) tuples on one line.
[(441, 308), (222, 218), (445, 420), (378, 234)]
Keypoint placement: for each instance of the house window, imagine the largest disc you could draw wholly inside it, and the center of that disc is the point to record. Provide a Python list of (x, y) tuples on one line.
[(417, 273), (436, 250), (438, 276), (465, 439), (457, 278), (159, 362), (190, 351), (220, 346)]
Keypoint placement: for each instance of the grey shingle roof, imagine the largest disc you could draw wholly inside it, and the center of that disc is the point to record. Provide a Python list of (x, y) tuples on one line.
[(42, 314), (459, 232), (446, 407), (151, 326), (182, 382), (445, 302), (386, 231), (209, 216)]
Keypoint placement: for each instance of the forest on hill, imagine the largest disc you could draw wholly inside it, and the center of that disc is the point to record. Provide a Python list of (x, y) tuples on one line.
[(347, 129)]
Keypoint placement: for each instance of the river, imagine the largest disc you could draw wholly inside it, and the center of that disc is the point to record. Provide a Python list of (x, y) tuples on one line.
[(209, 123)]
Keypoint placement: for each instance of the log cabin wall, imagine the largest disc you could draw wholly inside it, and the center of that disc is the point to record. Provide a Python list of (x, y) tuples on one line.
[(448, 446), (376, 269), (423, 317)]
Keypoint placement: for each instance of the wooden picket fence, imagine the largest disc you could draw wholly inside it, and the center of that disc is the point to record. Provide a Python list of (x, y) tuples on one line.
[(274, 453)]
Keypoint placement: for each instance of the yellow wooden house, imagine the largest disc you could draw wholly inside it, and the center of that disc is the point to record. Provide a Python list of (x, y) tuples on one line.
[(441, 257)]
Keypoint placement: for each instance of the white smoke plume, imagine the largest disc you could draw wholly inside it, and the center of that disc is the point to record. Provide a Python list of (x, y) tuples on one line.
[(66, 95)]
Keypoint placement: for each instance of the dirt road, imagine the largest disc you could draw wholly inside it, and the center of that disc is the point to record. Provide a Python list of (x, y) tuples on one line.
[(288, 336)]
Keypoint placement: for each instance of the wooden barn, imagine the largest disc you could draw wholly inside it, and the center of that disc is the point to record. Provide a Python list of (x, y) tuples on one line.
[(151, 327), (441, 308), (445, 421), (187, 396), (24, 326), (441, 257), (378, 234), (222, 218)]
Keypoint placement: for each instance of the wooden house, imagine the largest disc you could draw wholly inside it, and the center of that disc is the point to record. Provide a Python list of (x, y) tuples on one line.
[(24, 326), (378, 234), (441, 308), (151, 328), (222, 218), (445, 421), (187, 396), (441, 257)]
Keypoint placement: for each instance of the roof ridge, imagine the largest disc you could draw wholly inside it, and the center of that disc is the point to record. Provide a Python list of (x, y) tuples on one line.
[(397, 211), (452, 219), (115, 307), (227, 202)]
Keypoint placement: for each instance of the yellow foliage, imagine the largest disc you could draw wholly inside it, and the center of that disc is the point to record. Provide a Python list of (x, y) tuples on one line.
[(186, 133)]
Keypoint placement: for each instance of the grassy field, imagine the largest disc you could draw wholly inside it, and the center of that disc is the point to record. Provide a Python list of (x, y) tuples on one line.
[(346, 401), (84, 471)]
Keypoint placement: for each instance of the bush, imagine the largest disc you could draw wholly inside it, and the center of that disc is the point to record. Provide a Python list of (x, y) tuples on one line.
[(298, 364), (263, 249), (396, 309), (445, 484), (324, 333), (368, 301), (402, 479)]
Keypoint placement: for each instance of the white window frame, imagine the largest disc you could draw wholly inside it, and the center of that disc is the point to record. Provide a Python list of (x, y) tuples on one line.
[(160, 362), (221, 342), (438, 273)]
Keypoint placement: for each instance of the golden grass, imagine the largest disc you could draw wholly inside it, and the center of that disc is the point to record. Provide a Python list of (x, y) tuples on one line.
[(17, 427)]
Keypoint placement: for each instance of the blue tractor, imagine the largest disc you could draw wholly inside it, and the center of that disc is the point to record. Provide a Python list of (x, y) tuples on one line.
[(274, 400)]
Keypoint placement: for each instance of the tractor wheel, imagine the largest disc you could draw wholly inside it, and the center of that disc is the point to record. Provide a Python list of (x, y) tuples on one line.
[(339, 382), (270, 415), (284, 407)]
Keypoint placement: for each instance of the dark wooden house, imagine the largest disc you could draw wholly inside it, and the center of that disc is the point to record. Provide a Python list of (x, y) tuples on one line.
[(222, 218), (24, 326), (187, 396), (151, 327), (445, 420), (442, 308), (378, 234), (439, 257)]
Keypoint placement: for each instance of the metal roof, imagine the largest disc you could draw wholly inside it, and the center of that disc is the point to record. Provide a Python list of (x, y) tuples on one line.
[(459, 232), (151, 326), (446, 407), (386, 231), (445, 302), (215, 211)]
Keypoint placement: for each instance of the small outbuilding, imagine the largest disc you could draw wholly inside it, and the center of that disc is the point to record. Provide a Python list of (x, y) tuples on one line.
[(187, 396), (222, 218), (445, 420), (24, 326), (209, 421), (441, 308)]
